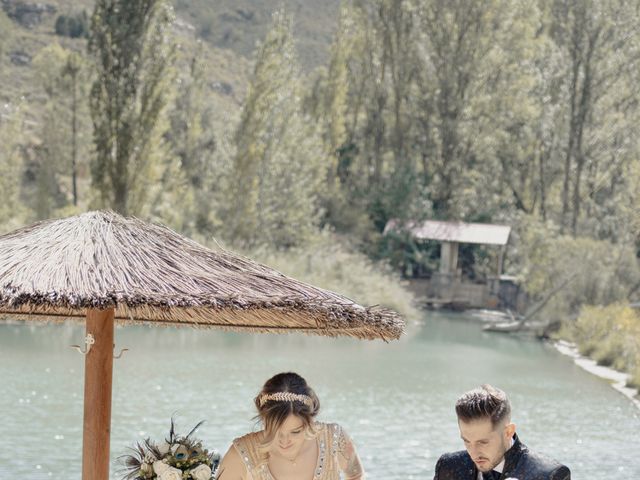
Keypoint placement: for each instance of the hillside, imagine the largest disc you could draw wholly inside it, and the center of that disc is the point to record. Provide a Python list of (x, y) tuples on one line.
[(223, 37), (238, 24), (31, 27), (229, 31)]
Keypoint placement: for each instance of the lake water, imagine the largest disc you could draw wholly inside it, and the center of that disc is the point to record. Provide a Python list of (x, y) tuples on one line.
[(396, 400)]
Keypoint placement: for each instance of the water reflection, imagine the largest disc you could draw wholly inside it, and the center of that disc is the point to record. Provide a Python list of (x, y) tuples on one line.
[(395, 399)]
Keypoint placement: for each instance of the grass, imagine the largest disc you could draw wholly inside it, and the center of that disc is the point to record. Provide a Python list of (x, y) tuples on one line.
[(330, 263)]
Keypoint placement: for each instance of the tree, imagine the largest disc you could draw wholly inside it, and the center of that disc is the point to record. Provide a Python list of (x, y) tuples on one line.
[(461, 53), (275, 177), (515, 126), (192, 141), (327, 100), (368, 94), (74, 26), (335, 92), (133, 53), (71, 71), (12, 212), (63, 121), (597, 39)]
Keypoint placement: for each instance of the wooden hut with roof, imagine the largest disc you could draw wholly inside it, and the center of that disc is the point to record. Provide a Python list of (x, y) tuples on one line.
[(447, 286)]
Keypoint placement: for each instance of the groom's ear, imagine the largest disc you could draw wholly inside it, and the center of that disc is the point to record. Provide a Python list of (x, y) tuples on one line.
[(510, 429)]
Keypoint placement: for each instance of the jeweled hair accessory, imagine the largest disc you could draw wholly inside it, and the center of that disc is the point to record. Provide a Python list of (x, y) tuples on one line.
[(286, 397)]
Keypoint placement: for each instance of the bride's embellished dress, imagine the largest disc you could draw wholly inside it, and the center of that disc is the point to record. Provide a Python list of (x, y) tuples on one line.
[(335, 454)]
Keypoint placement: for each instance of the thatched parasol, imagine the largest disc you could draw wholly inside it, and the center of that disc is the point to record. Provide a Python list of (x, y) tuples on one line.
[(102, 266)]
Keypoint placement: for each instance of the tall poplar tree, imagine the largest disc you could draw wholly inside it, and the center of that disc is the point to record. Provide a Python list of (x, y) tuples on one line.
[(275, 175), (133, 54), (12, 211), (64, 122)]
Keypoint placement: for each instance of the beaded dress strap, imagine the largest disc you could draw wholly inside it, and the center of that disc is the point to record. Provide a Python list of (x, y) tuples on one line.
[(246, 447)]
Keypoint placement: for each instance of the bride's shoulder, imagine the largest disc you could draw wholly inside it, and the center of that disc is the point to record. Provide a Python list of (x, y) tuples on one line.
[(249, 449), (326, 425), (251, 437), (248, 445), (332, 432), (331, 428)]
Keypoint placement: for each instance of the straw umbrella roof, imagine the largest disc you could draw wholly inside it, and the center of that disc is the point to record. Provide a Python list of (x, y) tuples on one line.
[(149, 273)]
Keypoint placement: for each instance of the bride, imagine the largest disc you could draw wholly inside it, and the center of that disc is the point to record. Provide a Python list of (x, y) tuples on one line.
[(291, 445)]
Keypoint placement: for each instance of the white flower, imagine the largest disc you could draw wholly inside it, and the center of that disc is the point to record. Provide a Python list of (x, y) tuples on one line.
[(201, 472), (159, 467), (170, 474), (163, 448), (149, 458)]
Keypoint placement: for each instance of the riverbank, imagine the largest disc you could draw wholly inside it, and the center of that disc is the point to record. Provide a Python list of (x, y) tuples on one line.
[(617, 379), (608, 335)]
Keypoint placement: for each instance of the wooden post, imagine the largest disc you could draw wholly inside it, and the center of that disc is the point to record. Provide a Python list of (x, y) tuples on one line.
[(449, 258), (98, 370), (501, 259)]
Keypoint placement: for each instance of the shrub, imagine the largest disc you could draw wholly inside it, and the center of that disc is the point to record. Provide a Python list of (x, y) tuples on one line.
[(74, 26), (602, 272), (611, 336), (329, 263), (634, 379)]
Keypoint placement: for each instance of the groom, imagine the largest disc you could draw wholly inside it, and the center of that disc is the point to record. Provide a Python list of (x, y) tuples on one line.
[(493, 450)]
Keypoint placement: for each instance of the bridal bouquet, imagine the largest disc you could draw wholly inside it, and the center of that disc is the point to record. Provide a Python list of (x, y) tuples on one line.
[(176, 458)]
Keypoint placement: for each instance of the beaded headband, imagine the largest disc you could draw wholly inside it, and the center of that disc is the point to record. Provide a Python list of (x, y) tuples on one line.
[(286, 397)]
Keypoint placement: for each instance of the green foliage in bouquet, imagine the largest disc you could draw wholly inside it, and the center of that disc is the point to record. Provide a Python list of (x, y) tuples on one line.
[(176, 458)]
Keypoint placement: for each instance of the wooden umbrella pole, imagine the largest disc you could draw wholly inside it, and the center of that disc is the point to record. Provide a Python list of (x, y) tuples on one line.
[(98, 371)]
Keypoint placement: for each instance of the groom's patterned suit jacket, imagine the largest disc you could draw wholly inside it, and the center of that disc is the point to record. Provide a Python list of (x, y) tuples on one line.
[(520, 463)]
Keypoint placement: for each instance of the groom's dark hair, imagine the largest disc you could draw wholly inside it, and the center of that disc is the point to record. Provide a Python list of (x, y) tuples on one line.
[(483, 402)]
